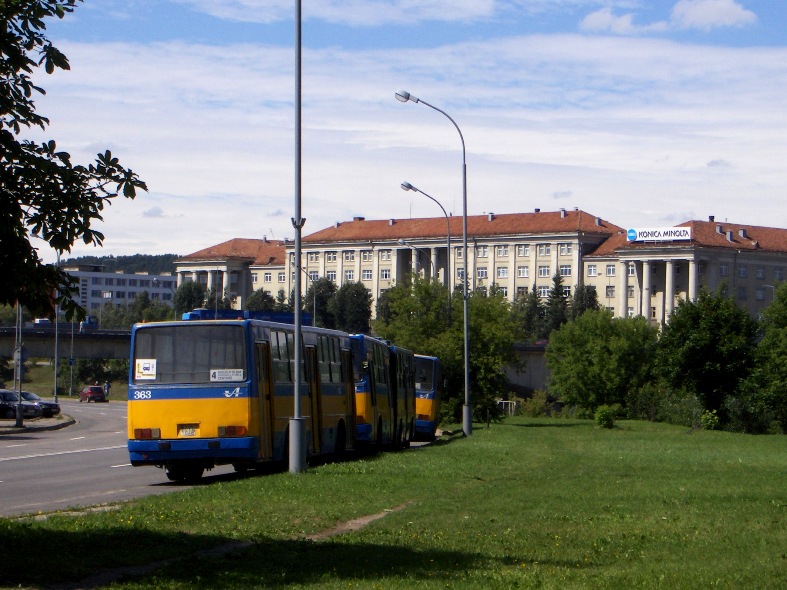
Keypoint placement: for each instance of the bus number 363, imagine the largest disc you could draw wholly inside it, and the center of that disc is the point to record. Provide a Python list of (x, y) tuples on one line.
[(143, 395)]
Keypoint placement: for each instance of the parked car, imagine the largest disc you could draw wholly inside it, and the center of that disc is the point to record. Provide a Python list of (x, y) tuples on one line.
[(8, 403), (92, 393), (48, 409)]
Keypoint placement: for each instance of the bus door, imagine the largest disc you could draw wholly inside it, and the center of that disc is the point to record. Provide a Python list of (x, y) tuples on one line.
[(265, 399), (348, 382), (313, 379)]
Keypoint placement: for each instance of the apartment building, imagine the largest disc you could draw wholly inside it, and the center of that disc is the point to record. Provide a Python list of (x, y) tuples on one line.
[(97, 287), (647, 271)]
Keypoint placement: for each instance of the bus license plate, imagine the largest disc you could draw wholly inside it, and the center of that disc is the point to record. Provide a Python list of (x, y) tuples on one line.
[(188, 430)]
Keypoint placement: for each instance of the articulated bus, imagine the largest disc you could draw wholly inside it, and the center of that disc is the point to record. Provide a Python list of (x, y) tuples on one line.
[(403, 388), (427, 396), (220, 392)]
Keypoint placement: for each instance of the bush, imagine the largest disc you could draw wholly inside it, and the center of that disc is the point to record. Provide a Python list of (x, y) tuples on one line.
[(659, 403), (536, 406), (709, 420), (605, 416)]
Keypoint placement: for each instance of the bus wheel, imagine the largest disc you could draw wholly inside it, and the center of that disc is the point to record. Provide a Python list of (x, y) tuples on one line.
[(184, 473)]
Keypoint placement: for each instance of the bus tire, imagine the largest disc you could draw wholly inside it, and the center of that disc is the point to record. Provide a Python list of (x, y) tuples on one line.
[(183, 472)]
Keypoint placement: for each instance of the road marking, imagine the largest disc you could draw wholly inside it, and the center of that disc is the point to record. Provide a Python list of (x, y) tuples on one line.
[(61, 453), (116, 466), (14, 446), (78, 438)]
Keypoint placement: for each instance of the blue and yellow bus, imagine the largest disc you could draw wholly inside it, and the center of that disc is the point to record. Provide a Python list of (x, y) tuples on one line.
[(427, 396), (402, 366), (219, 392)]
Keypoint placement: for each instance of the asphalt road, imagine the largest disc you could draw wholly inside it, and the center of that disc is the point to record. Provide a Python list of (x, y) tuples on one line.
[(82, 465)]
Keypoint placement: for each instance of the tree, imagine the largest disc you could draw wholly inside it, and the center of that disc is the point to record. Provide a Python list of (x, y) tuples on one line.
[(189, 296), (707, 348), (352, 308), (597, 359), (585, 298), (260, 300), (324, 289), (282, 303), (215, 299), (556, 310), (43, 192), (528, 314)]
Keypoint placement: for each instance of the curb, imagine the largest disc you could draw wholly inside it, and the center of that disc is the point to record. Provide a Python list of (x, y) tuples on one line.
[(67, 421)]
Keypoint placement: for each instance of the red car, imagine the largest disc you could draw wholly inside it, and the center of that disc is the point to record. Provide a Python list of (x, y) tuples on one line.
[(92, 393)]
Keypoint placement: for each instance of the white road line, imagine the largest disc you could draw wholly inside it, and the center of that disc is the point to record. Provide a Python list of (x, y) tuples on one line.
[(116, 466), (78, 438), (62, 453), (14, 446)]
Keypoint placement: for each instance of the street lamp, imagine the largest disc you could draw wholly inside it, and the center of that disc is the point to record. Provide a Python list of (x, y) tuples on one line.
[(467, 415), (418, 251), (409, 187)]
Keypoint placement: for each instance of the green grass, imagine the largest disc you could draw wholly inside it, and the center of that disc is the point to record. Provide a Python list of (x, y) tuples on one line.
[(526, 504)]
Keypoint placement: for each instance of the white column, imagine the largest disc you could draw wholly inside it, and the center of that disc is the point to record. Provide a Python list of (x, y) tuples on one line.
[(434, 268), (669, 289), (624, 291), (646, 272), (692, 280)]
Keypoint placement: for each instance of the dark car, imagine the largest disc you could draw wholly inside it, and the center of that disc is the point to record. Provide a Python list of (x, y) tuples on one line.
[(92, 393), (48, 409), (8, 403)]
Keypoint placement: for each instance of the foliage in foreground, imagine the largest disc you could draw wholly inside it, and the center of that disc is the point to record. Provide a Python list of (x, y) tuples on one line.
[(528, 503)]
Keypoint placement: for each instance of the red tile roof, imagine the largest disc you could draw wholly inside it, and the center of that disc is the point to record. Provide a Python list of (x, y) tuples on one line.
[(257, 252), (713, 234), (478, 226)]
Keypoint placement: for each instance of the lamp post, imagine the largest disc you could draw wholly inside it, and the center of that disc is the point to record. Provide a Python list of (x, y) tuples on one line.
[(467, 414), (409, 187), (418, 251)]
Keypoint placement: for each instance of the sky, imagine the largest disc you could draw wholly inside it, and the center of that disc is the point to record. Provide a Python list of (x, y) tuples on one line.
[(646, 113)]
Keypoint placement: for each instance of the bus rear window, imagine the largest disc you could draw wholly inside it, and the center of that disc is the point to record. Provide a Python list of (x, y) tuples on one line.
[(192, 353)]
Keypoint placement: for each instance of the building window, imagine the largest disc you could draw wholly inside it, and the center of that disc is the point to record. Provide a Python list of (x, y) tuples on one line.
[(543, 271), (313, 257), (633, 270), (630, 291), (543, 292), (314, 275), (282, 277), (95, 281), (742, 293), (254, 278), (164, 296), (482, 251), (567, 292), (653, 313), (267, 277), (742, 272), (385, 274), (565, 270), (502, 272), (592, 270), (366, 255), (503, 291), (95, 293), (132, 282), (385, 255), (349, 276), (523, 250), (544, 249), (481, 272), (778, 274), (523, 272), (331, 275), (521, 291), (502, 251), (610, 291), (760, 272), (724, 270), (144, 283), (109, 281), (630, 312), (459, 252), (460, 273), (330, 256), (366, 275), (565, 249), (610, 270), (759, 295), (121, 282), (349, 255)]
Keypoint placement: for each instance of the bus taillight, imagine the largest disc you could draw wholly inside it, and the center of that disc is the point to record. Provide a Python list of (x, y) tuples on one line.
[(232, 430), (147, 433)]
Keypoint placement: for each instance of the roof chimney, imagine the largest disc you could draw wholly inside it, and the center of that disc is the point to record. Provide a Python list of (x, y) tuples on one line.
[(538, 210), (336, 224), (711, 218), (359, 219), (490, 217)]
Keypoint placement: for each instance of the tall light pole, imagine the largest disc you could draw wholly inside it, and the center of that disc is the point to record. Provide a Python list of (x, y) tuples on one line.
[(409, 187), (467, 414), (297, 447), (57, 314)]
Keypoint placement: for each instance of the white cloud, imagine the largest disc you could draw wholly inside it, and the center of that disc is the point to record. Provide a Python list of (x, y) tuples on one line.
[(710, 14), (605, 21)]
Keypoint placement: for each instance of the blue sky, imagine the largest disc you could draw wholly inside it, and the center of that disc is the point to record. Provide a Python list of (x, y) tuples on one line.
[(646, 113)]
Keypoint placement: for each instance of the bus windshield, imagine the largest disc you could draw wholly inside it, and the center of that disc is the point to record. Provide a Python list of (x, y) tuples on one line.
[(190, 353)]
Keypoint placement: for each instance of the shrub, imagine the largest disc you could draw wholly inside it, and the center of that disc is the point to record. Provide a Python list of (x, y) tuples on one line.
[(605, 416), (536, 406), (660, 403), (709, 420)]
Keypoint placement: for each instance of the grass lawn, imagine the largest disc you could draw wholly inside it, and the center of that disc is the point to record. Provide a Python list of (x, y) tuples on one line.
[(529, 503)]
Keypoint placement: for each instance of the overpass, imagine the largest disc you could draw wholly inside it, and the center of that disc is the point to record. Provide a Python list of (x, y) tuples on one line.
[(39, 342)]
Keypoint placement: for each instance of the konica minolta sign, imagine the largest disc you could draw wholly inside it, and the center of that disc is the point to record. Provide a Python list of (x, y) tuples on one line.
[(658, 234)]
